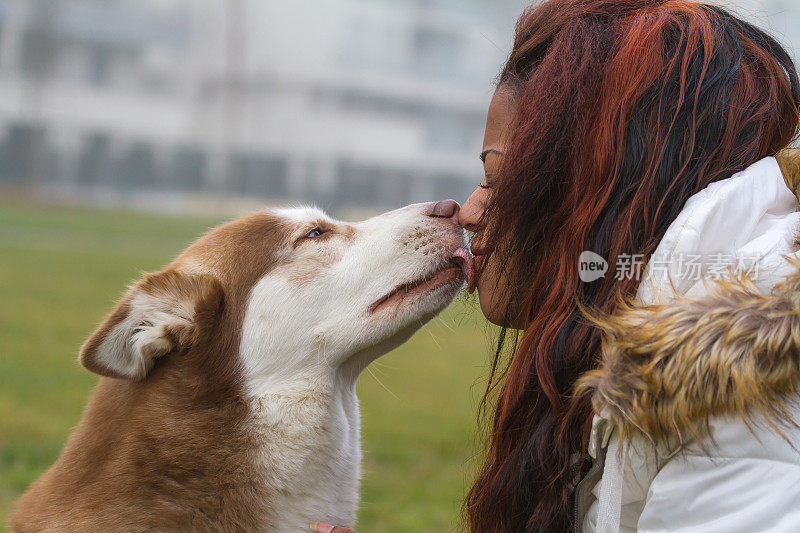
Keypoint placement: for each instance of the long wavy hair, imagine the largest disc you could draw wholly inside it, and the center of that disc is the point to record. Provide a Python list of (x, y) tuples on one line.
[(624, 109)]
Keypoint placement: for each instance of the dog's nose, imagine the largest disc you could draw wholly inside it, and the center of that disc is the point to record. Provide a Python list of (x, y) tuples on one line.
[(444, 209)]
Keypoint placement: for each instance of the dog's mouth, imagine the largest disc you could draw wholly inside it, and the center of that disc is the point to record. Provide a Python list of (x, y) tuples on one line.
[(459, 268), (464, 260)]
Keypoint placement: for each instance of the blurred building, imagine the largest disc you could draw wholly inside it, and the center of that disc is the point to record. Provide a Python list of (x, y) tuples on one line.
[(185, 104), (343, 103)]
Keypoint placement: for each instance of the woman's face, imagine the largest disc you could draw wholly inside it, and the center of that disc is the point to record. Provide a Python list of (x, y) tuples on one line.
[(494, 302)]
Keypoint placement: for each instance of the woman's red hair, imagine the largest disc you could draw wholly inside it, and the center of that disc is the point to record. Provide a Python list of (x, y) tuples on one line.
[(624, 109)]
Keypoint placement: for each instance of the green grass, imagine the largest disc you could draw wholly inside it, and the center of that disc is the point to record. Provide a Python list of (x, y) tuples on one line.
[(61, 271)]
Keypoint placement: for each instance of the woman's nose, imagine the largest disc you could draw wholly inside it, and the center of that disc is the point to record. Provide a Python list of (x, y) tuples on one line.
[(445, 209), (469, 216)]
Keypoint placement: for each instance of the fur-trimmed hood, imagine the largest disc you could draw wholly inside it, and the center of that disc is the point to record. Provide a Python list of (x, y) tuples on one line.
[(668, 369), (725, 348)]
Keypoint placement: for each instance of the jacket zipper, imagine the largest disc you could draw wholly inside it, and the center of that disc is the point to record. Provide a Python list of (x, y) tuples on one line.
[(583, 485)]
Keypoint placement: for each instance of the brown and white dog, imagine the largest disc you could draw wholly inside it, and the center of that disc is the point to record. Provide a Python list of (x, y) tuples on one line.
[(228, 402)]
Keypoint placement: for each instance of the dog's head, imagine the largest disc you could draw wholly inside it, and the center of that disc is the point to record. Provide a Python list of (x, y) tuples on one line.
[(278, 292)]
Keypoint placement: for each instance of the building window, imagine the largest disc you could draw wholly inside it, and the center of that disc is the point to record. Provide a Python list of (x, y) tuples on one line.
[(261, 175), (94, 160), (22, 153), (39, 53), (358, 185), (137, 167), (186, 169), (445, 186), (437, 52), (100, 61)]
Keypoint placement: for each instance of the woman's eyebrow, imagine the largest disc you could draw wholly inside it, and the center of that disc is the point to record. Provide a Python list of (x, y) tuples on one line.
[(489, 151)]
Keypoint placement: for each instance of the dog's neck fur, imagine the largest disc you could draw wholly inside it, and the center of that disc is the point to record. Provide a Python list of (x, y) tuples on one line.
[(309, 450)]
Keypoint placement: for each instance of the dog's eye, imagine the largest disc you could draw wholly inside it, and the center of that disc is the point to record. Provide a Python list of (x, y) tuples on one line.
[(314, 234)]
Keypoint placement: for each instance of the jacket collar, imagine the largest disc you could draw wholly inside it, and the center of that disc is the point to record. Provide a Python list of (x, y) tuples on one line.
[(687, 350)]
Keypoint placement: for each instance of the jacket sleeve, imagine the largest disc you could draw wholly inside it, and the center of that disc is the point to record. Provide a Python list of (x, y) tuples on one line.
[(753, 487)]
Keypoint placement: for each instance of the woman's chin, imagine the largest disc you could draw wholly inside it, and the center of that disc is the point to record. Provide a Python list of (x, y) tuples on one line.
[(495, 312)]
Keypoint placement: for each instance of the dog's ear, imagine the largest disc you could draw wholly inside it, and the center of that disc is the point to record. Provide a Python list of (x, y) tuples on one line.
[(162, 313)]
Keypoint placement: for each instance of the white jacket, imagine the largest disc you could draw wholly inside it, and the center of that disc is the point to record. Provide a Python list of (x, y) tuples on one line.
[(697, 392)]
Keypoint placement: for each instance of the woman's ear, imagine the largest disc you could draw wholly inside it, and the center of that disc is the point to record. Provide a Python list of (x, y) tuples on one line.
[(157, 316)]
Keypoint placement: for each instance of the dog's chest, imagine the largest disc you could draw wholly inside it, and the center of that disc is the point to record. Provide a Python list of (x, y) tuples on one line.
[(308, 454)]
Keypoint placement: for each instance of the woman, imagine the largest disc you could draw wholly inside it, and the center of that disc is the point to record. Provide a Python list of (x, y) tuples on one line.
[(642, 131)]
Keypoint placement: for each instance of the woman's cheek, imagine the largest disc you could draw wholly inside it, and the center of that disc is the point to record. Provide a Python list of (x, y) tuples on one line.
[(497, 303), (491, 298), (489, 306)]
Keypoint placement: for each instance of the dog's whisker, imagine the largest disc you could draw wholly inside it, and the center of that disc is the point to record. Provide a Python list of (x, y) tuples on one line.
[(377, 369), (384, 365), (443, 322), (371, 373), (434, 338)]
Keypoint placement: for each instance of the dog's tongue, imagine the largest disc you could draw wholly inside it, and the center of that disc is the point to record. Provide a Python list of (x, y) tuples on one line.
[(467, 265)]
